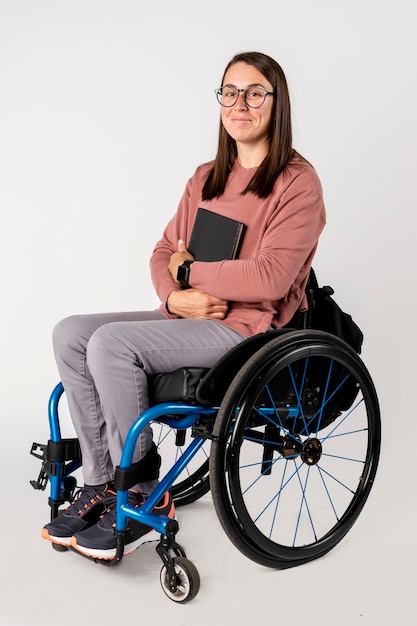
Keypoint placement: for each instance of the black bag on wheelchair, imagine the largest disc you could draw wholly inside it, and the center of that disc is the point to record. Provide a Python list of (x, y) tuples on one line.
[(325, 314)]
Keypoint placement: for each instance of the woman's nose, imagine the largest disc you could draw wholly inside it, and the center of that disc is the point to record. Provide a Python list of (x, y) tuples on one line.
[(241, 102)]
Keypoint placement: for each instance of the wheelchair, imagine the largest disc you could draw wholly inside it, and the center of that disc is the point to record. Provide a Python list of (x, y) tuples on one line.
[(284, 431)]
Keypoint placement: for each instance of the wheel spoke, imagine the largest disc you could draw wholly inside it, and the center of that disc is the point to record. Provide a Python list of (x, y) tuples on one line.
[(193, 481)]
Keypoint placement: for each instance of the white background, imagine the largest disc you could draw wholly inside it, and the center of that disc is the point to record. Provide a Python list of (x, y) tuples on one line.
[(97, 141)]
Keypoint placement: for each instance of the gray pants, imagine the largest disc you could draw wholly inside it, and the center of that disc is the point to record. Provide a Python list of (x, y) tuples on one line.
[(103, 360)]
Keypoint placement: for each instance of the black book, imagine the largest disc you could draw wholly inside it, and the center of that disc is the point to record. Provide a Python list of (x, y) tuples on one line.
[(215, 237)]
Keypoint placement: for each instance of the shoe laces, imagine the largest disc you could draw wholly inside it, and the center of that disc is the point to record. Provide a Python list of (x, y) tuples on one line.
[(85, 498), (108, 518)]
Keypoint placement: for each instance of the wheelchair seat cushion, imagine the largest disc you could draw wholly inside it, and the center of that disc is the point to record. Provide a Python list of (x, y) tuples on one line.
[(206, 385), (177, 386)]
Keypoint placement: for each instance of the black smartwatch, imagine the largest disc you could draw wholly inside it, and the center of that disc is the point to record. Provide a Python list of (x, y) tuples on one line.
[(183, 274)]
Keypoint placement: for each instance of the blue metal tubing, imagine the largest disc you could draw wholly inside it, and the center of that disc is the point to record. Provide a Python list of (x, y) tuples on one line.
[(160, 412), (55, 435), (53, 412), (144, 513)]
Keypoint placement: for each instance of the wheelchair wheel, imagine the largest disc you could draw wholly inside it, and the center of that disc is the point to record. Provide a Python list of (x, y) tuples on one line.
[(295, 450), (188, 580), (193, 483)]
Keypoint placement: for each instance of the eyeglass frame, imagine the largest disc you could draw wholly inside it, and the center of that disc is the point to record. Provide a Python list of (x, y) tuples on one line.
[(243, 91)]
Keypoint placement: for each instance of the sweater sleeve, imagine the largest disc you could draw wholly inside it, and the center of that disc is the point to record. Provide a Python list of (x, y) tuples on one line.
[(286, 244)]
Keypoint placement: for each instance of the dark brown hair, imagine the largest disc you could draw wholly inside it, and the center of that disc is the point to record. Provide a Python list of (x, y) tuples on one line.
[(280, 135)]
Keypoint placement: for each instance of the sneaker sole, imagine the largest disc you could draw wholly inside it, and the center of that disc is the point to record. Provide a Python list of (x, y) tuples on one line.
[(62, 541), (109, 555)]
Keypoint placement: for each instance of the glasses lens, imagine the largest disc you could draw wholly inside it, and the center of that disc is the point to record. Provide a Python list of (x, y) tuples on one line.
[(227, 95), (255, 96)]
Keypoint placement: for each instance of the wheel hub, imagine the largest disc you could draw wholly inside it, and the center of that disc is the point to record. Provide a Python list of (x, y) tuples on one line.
[(312, 451)]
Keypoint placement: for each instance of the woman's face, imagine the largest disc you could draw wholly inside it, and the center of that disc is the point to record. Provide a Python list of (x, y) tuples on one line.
[(247, 126)]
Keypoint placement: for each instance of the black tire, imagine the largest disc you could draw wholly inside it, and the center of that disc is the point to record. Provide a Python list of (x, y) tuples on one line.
[(193, 482), (296, 448), (188, 580), (192, 488), (59, 548)]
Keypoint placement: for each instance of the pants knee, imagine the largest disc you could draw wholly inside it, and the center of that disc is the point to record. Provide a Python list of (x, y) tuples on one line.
[(108, 352), (67, 335), (100, 348)]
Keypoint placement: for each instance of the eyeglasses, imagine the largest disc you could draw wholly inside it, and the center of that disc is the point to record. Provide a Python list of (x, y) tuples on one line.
[(253, 96)]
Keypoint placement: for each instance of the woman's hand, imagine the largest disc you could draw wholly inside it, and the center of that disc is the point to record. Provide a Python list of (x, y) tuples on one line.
[(178, 259), (196, 304)]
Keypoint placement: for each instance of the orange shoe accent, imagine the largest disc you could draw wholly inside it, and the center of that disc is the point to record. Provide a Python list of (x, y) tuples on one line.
[(164, 503), (57, 540)]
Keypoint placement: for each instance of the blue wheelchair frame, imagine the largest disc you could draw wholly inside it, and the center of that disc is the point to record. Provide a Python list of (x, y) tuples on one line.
[(159, 413), (223, 406)]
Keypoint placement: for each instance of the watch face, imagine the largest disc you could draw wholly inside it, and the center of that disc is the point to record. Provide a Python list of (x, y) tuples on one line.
[(183, 274)]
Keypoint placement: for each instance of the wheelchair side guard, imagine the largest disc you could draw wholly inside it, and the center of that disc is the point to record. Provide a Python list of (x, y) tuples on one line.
[(215, 383)]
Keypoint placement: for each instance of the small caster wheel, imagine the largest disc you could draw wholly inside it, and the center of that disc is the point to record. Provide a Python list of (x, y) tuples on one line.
[(59, 548), (188, 580)]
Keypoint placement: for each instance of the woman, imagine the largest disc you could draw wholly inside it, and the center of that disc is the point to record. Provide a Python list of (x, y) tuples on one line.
[(256, 178)]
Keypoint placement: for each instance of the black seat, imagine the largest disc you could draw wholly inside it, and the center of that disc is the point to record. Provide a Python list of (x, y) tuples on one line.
[(206, 385)]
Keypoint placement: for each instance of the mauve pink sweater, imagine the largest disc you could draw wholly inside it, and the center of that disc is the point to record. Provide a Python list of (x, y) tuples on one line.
[(265, 285)]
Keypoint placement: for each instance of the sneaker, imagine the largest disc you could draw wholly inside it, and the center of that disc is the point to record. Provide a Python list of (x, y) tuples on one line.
[(99, 541), (89, 503)]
